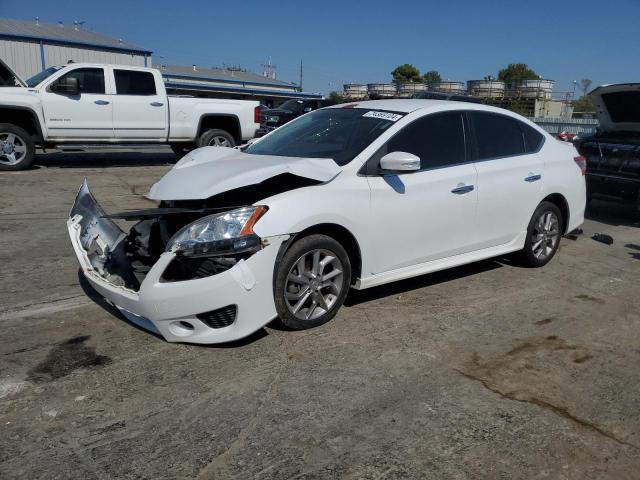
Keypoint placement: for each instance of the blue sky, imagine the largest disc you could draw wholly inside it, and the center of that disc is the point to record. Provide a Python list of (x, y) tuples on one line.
[(361, 42)]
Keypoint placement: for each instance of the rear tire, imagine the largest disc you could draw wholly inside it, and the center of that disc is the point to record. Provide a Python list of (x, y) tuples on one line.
[(312, 281), (17, 149), (216, 138), (543, 235)]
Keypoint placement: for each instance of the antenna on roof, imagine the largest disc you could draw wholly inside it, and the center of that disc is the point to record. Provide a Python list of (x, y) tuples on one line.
[(38, 21), (60, 24), (269, 70), (77, 24)]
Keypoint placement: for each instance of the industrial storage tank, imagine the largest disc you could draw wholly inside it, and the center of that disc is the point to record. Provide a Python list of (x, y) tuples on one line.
[(486, 88), (448, 87), (355, 91), (409, 89), (384, 90), (536, 88)]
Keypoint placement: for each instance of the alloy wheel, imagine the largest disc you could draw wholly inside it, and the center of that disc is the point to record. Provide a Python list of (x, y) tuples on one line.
[(313, 284), (12, 148), (219, 141), (546, 235)]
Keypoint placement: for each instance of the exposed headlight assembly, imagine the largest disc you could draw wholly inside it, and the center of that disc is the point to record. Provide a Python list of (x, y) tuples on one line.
[(220, 234)]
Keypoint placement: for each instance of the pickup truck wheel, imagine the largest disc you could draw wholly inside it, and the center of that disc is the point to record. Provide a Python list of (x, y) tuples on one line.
[(17, 149), (216, 138)]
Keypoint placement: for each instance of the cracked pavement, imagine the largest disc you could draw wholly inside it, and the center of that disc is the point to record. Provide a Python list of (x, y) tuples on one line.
[(486, 371)]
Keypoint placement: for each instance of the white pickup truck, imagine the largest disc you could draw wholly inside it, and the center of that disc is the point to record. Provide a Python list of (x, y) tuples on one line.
[(109, 104)]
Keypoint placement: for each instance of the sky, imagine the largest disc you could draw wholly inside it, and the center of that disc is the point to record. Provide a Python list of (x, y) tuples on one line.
[(362, 42)]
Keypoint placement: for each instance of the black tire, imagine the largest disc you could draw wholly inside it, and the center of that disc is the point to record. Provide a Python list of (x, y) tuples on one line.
[(550, 240), (216, 138), (181, 149), (19, 152), (288, 264)]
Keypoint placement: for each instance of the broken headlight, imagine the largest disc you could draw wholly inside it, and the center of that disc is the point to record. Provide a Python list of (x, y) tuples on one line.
[(220, 234)]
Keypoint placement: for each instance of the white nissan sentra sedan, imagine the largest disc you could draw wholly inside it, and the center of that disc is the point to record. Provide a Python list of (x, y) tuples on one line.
[(350, 196)]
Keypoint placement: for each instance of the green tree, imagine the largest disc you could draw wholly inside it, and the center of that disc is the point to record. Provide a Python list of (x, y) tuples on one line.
[(406, 73), (432, 76), (335, 97), (584, 104), (515, 72)]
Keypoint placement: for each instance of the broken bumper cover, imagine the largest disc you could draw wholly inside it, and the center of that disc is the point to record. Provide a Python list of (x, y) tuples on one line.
[(171, 308)]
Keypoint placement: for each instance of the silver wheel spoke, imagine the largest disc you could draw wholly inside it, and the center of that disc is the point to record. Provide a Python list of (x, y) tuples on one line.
[(311, 309), (299, 279), (331, 274), (316, 263), (11, 138), (322, 302), (298, 305)]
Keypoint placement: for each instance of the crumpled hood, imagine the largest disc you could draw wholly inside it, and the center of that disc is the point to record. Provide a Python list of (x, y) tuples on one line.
[(618, 106), (209, 171)]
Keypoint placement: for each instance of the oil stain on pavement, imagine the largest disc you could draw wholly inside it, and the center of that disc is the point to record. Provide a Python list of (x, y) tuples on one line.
[(65, 358)]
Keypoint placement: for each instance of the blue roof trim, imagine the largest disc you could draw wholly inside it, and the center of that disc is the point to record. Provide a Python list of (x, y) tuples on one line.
[(57, 41), (188, 86), (226, 80)]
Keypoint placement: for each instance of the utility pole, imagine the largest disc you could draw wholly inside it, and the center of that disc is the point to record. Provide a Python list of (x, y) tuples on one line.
[(300, 74)]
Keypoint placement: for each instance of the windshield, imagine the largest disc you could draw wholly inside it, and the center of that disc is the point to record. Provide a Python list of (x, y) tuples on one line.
[(336, 133), (37, 79)]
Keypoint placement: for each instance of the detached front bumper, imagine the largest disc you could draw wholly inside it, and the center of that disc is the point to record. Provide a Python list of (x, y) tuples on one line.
[(172, 308)]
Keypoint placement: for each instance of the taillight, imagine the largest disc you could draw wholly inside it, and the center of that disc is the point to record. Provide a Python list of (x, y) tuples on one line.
[(256, 114), (582, 164)]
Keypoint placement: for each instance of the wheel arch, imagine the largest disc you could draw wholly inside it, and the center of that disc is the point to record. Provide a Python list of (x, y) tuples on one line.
[(25, 118), (227, 122), (339, 233), (561, 202)]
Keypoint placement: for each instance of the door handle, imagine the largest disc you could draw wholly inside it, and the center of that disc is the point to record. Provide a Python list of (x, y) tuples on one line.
[(101, 102), (532, 178), (156, 104), (462, 189)]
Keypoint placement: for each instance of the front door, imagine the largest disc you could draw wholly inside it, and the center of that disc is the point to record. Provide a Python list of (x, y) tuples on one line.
[(86, 116), (430, 214)]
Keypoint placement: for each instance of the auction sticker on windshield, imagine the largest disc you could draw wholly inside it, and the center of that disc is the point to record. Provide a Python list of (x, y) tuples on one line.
[(394, 117)]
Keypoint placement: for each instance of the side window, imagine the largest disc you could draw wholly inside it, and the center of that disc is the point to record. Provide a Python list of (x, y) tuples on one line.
[(437, 139), (532, 138), (131, 82), (90, 80), (497, 135)]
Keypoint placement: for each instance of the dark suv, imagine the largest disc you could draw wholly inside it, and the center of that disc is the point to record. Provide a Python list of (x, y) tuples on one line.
[(613, 153), (276, 117)]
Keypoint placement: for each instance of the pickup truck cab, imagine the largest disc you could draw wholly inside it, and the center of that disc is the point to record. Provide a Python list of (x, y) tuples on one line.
[(84, 103)]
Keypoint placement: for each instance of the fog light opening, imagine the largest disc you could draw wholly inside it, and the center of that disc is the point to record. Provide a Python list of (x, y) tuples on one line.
[(181, 328)]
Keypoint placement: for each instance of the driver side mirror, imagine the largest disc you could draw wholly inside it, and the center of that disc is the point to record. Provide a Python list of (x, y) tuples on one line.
[(66, 86), (400, 162)]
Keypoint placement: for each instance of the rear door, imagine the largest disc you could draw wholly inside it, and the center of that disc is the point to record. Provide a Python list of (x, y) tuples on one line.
[(429, 214), (86, 116), (140, 110), (510, 176)]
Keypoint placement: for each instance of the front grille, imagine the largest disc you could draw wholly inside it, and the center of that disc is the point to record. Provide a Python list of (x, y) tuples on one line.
[(219, 318)]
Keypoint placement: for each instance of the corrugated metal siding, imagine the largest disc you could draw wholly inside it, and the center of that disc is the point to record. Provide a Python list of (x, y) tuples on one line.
[(59, 55), (25, 59), (22, 57), (579, 126)]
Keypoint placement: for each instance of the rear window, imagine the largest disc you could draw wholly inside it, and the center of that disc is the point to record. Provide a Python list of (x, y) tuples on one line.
[(497, 135), (532, 138), (131, 82)]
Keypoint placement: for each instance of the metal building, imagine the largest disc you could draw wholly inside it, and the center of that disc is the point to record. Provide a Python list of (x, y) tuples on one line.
[(30, 47)]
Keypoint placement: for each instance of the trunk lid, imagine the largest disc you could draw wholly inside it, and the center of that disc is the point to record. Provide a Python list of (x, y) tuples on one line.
[(618, 107)]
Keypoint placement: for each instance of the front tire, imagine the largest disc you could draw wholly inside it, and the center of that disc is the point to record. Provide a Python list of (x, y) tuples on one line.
[(17, 150), (543, 235), (216, 138), (312, 281)]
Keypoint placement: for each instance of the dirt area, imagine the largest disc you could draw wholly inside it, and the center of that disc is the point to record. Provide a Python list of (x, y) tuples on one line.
[(487, 371)]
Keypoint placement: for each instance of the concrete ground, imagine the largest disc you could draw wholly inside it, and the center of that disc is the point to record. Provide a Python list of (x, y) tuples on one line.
[(487, 371)]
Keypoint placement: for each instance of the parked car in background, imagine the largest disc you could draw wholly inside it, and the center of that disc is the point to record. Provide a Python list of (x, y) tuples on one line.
[(351, 196), (293, 108), (613, 153), (111, 104)]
